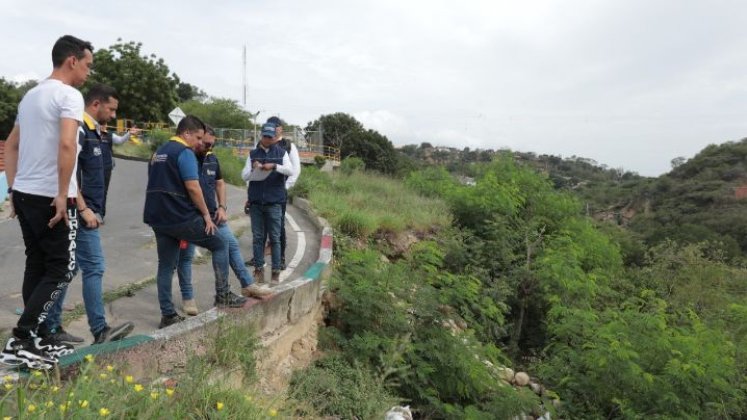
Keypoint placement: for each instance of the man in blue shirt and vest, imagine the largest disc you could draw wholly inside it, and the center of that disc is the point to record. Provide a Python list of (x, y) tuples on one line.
[(214, 189), (101, 104), (266, 169), (175, 208)]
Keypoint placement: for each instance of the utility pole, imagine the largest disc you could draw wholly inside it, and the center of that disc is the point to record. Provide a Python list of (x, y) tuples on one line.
[(243, 74)]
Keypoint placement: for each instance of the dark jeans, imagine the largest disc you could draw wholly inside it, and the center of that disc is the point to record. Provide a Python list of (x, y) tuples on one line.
[(266, 221), (167, 242), (50, 257), (282, 233)]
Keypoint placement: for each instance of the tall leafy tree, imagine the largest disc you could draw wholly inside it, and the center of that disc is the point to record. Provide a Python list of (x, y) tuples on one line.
[(219, 112), (146, 86)]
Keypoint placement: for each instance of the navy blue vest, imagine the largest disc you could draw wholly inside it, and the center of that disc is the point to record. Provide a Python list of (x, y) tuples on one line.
[(271, 190), (91, 166), (106, 149), (167, 201), (208, 181)]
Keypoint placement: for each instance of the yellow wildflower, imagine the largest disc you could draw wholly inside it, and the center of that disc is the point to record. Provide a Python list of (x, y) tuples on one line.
[(219, 406), (154, 395), (31, 408), (8, 386), (129, 379), (103, 412), (83, 404), (7, 378), (169, 392), (7, 418), (138, 387), (102, 375), (273, 412), (37, 373), (89, 358), (33, 386), (54, 389), (63, 407), (50, 404), (110, 368)]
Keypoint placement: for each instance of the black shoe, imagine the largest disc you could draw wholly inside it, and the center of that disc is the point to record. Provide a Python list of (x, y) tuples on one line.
[(53, 347), (230, 300), (113, 334), (249, 262), (275, 278), (61, 335), (25, 352), (170, 320)]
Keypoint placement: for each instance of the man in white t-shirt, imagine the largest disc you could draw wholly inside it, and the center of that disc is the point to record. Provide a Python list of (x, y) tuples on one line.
[(40, 160)]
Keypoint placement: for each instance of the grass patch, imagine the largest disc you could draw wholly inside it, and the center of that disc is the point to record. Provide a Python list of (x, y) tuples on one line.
[(361, 203), (230, 166), (96, 390), (131, 149)]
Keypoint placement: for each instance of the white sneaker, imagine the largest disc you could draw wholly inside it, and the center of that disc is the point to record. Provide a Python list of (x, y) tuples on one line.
[(255, 290)]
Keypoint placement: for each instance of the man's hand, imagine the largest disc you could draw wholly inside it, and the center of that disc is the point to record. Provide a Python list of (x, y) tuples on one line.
[(221, 216), (134, 131), (12, 209), (268, 166), (89, 218), (60, 211), (209, 225)]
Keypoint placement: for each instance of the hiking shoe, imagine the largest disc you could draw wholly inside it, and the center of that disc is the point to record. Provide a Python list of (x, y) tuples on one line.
[(259, 275), (24, 352), (170, 320), (61, 335), (53, 347), (275, 279), (113, 334), (255, 290), (230, 300), (189, 306)]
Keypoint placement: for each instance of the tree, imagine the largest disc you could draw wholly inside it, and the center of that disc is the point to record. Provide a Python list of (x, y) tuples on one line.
[(8, 106), (146, 89), (344, 132), (219, 112), (187, 92)]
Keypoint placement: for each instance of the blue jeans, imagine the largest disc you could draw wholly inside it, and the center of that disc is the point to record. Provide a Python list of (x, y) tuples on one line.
[(235, 260), (266, 218), (167, 243), (90, 257)]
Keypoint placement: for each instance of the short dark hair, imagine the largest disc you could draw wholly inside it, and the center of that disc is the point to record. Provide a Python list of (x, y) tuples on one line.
[(209, 130), (69, 45), (101, 93), (189, 123), (276, 120)]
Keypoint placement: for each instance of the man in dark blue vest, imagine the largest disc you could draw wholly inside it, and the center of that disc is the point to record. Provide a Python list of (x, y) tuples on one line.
[(214, 189), (265, 170), (101, 103), (175, 208)]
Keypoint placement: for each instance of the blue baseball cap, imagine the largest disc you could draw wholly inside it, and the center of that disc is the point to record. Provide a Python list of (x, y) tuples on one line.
[(268, 130)]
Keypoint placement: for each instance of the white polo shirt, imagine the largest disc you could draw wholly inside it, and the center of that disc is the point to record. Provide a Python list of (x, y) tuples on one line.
[(39, 115)]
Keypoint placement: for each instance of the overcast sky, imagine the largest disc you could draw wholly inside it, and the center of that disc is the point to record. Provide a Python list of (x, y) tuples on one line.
[(628, 83)]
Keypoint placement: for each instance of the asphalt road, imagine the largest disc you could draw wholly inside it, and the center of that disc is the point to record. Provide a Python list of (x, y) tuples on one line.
[(129, 248)]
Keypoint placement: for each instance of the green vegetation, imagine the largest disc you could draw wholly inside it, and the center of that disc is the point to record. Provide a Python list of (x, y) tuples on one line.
[(363, 204), (103, 390), (512, 272)]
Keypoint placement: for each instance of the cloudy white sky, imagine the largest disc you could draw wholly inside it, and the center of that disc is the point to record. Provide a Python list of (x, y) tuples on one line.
[(629, 83)]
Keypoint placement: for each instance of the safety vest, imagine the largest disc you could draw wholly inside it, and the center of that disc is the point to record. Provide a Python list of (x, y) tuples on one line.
[(90, 172), (167, 201), (270, 190)]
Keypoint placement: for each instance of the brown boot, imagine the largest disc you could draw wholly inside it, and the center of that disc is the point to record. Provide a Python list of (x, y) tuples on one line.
[(189, 307), (259, 275), (255, 290)]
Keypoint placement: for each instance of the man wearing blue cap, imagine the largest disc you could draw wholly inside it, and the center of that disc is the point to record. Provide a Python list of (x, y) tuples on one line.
[(266, 169)]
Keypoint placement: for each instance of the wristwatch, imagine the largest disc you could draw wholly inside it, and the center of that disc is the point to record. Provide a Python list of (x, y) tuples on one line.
[(221, 206), (10, 190)]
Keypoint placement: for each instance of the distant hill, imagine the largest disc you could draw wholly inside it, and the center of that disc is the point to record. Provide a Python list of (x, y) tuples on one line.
[(701, 199)]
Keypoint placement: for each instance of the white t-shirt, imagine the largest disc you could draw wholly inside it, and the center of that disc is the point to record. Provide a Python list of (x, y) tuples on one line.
[(39, 115)]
